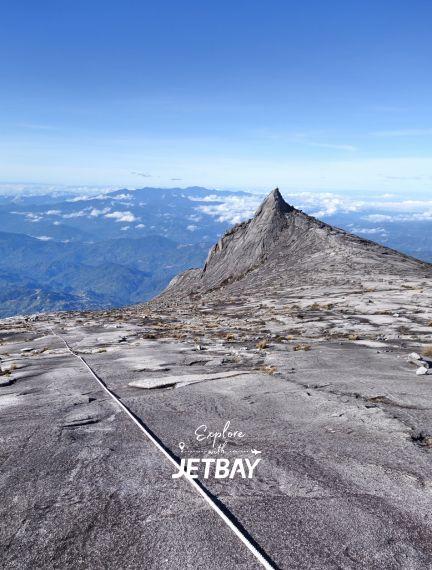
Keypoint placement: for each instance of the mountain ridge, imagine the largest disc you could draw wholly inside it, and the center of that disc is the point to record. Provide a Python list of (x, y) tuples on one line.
[(281, 234)]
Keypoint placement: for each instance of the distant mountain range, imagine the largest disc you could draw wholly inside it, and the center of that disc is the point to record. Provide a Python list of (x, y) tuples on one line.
[(99, 251), (69, 252)]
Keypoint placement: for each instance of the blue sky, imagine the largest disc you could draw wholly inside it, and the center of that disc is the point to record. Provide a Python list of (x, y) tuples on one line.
[(314, 96)]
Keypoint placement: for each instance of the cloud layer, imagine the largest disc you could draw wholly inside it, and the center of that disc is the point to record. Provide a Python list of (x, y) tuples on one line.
[(235, 209)]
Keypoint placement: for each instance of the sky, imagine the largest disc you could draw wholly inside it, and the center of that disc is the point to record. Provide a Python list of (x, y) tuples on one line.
[(308, 96)]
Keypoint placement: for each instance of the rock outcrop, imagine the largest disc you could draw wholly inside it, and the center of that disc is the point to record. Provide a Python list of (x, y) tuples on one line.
[(246, 246), (280, 243)]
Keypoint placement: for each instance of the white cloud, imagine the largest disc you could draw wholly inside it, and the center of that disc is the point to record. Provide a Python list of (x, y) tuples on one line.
[(191, 228), (30, 216), (404, 205), (233, 209), (86, 212), (86, 197), (78, 214), (378, 218), (124, 228), (139, 226), (43, 238), (122, 216), (410, 217), (95, 213), (369, 231), (53, 213), (328, 203), (62, 191), (122, 197), (210, 198)]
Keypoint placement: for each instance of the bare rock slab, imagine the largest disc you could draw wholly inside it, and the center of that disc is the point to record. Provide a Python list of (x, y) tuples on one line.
[(178, 381)]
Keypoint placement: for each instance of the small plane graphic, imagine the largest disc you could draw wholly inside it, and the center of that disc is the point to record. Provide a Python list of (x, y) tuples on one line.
[(255, 451)]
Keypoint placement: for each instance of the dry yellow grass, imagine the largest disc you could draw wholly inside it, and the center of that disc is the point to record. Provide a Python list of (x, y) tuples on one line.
[(298, 347), (268, 369), (353, 337), (261, 344), (281, 338)]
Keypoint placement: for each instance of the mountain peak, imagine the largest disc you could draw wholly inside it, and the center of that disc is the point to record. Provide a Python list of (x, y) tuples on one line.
[(280, 243), (246, 245), (274, 202)]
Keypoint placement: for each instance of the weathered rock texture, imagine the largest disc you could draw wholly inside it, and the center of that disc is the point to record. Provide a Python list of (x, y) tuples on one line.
[(281, 243)]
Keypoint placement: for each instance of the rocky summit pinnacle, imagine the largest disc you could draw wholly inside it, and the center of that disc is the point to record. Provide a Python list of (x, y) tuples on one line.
[(280, 244), (274, 204), (247, 245)]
